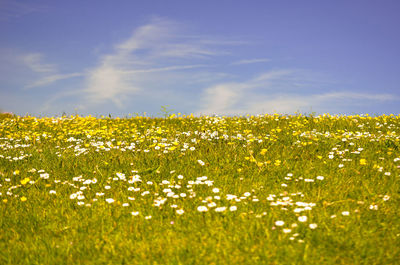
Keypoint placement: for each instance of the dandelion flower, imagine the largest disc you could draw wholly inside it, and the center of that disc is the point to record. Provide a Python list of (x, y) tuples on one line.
[(23, 198)]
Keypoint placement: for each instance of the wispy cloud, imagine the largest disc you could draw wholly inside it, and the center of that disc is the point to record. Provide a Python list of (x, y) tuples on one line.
[(14, 9), (48, 73), (250, 61), (260, 95), (160, 45), (34, 61), (47, 80)]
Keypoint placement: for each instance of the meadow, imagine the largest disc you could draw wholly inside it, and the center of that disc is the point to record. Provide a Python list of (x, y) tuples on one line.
[(266, 189)]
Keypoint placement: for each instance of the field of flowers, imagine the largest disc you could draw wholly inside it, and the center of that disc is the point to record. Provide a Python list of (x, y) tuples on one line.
[(267, 189)]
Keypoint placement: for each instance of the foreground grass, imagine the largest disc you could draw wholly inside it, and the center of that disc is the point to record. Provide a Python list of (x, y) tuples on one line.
[(182, 190)]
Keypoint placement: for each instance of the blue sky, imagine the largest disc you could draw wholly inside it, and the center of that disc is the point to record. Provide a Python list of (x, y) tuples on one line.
[(202, 57)]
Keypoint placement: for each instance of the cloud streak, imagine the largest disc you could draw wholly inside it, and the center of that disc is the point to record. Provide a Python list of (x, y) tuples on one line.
[(47, 80), (251, 61)]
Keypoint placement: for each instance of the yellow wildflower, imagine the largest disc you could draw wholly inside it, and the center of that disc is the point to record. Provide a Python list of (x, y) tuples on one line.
[(25, 180)]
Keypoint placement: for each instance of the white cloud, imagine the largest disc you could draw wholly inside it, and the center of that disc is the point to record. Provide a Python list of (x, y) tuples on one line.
[(250, 61), (228, 98), (159, 45), (34, 61), (260, 95)]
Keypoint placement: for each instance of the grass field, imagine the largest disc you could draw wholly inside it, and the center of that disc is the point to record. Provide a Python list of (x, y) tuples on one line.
[(268, 189)]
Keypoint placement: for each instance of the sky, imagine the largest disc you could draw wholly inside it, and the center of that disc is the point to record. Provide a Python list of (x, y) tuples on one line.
[(202, 57)]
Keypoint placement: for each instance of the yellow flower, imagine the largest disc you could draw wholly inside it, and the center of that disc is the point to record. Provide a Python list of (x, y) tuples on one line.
[(16, 172), (24, 181), (363, 161), (263, 151), (23, 198)]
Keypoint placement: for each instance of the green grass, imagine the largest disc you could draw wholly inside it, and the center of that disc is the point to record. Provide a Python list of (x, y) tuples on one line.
[(269, 163)]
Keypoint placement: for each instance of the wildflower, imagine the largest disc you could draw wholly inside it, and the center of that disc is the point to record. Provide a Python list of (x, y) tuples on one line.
[(24, 181), (220, 209), (313, 226), (52, 192), (263, 151), (215, 190), (279, 223), (200, 162), (125, 204), (148, 217), (202, 209), (23, 198), (44, 176), (345, 213), (232, 208), (320, 178), (302, 218), (386, 197), (110, 200), (287, 230), (180, 211), (211, 204), (107, 187), (135, 213), (373, 207), (363, 161)]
